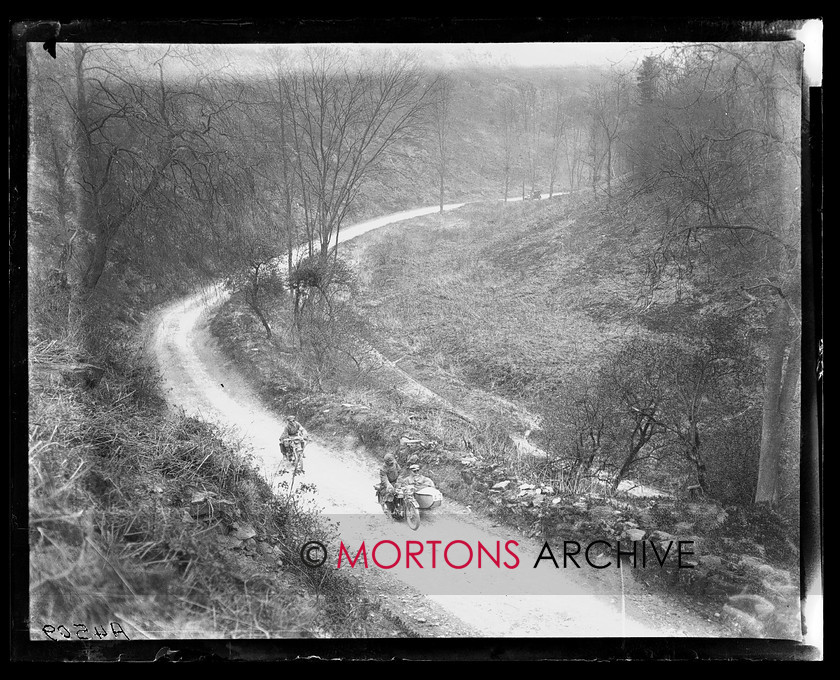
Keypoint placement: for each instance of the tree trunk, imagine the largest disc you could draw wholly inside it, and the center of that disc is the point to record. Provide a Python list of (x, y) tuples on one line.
[(252, 298), (645, 432), (772, 426), (82, 254), (256, 309), (786, 400), (287, 192), (694, 455)]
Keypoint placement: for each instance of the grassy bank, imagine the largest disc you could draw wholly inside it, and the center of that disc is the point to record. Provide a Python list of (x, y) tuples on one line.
[(495, 309), (151, 522), (524, 302)]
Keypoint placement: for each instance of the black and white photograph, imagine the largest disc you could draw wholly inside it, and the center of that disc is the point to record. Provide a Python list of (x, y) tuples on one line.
[(320, 340)]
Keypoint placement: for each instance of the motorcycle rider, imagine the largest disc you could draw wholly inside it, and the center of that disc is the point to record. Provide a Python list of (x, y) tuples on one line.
[(291, 428), (388, 475)]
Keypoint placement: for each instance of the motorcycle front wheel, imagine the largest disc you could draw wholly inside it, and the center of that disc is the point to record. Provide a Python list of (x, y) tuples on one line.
[(412, 516)]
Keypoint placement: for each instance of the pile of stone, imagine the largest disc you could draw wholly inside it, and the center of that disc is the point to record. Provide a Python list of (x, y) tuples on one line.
[(755, 598), (231, 532)]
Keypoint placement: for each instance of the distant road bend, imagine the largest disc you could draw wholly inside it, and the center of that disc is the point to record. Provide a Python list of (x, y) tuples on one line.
[(601, 604)]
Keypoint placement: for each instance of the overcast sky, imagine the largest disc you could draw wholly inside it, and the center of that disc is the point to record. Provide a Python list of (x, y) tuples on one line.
[(256, 57), (454, 55), (500, 54), (545, 54)]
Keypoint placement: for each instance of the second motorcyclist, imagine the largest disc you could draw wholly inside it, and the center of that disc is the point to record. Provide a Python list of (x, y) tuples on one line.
[(413, 476), (291, 428)]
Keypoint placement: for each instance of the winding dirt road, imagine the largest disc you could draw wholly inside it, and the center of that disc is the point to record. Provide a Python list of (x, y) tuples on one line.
[(438, 600)]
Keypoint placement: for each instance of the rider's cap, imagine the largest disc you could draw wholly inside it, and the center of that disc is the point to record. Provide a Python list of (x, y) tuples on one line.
[(291, 418), (415, 467)]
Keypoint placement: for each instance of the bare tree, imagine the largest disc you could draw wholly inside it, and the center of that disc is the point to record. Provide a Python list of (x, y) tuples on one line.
[(530, 102), (558, 121), (609, 106), (511, 135), (572, 151), (141, 136), (280, 113), (51, 162), (573, 140), (634, 378), (723, 143), (441, 110), (344, 121), (254, 215)]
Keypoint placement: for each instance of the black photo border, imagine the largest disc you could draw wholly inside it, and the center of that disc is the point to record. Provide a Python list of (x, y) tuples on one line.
[(209, 29)]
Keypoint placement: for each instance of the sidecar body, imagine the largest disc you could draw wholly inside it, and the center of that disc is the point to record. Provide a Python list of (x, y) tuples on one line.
[(428, 498)]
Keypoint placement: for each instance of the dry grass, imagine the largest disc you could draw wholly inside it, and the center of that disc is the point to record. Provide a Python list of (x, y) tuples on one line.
[(479, 298), (112, 538)]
